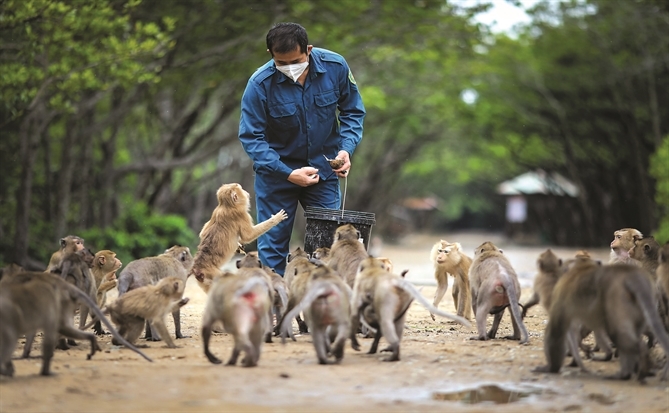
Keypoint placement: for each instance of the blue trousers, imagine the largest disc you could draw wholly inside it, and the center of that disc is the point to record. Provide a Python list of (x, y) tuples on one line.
[(273, 195)]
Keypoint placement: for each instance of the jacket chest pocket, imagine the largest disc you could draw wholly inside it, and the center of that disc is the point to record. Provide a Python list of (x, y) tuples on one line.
[(326, 105), (283, 122)]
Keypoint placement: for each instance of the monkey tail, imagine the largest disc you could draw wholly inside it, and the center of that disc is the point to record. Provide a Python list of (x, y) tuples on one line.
[(249, 285), (515, 309), (640, 287), (96, 310), (94, 318), (408, 287), (283, 297)]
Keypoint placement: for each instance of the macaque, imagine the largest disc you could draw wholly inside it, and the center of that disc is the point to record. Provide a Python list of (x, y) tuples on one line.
[(327, 308), (294, 258), (616, 299), (37, 301), (229, 225), (448, 258), (242, 304), (148, 303), (176, 261), (322, 254), (301, 274), (105, 265), (346, 253), (623, 241), (550, 270), (69, 244), (250, 266), (382, 299), (495, 286), (646, 251)]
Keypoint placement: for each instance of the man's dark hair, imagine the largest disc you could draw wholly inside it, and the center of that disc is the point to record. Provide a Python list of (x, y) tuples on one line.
[(285, 37)]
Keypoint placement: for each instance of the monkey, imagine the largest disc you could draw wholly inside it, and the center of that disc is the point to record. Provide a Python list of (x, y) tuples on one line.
[(346, 252), (250, 266), (32, 301), (280, 302), (646, 252), (623, 241), (242, 304), (10, 270), (448, 258), (105, 265), (294, 258), (495, 286), (176, 261), (148, 303), (582, 254), (68, 244), (550, 270), (230, 225), (301, 274), (326, 307), (387, 264), (617, 299), (382, 299), (662, 276), (322, 254)]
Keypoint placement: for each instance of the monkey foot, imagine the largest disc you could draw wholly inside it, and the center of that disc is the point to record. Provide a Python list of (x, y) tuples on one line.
[(181, 336), (542, 369), (511, 338), (392, 358), (479, 338)]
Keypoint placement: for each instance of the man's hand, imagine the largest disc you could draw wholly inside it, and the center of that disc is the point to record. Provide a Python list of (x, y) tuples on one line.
[(305, 176), (343, 171)]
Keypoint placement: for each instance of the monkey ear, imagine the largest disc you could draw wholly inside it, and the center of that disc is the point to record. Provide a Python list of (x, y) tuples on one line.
[(62, 242), (646, 248), (458, 246), (239, 263), (101, 259), (176, 286), (235, 197), (560, 261), (501, 251)]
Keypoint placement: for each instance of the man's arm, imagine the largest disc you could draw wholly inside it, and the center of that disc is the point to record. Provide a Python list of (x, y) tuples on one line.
[(351, 112)]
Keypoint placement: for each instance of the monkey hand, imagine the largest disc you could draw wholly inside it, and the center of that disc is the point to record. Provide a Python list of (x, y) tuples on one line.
[(279, 216)]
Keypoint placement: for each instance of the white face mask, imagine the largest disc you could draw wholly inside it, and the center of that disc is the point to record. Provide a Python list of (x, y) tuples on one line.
[(293, 71)]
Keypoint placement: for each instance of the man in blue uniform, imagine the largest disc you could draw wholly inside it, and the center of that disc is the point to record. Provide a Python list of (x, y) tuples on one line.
[(302, 104)]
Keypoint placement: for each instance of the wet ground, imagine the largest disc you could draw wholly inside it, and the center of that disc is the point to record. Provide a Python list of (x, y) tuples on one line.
[(440, 368)]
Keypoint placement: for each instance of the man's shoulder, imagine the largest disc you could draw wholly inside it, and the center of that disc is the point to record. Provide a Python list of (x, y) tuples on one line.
[(263, 72), (328, 56)]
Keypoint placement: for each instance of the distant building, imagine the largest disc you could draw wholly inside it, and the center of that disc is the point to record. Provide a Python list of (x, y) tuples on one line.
[(538, 206)]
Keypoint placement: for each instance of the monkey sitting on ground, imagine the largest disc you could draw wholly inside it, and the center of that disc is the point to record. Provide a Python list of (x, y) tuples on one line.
[(617, 299), (229, 225), (448, 258), (68, 244), (300, 274), (326, 307), (382, 300), (623, 241), (149, 303), (495, 286), (242, 304), (33, 301), (346, 253), (176, 261)]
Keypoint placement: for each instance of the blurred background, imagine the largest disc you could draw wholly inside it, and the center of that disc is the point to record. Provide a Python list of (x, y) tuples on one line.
[(546, 121)]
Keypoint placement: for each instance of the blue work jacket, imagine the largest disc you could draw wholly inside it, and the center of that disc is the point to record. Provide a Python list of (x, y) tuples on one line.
[(286, 126)]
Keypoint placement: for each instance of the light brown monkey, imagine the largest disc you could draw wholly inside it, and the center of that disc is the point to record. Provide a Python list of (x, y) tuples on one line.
[(301, 274), (495, 286), (387, 264), (250, 266), (550, 270), (346, 253), (326, 307), (294, 258), (617, 299), (242, 304), (646, 250), (105, 265), (448, 258), (68, 244), (229, 225), (322, 254), (623, 241), (176, 261), (382, 299), (10, 270), (582, 254), (33, 301), (148, 303), (280, 302)]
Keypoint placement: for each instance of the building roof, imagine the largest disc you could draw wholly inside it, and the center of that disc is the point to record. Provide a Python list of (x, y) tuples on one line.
[(538, 182)]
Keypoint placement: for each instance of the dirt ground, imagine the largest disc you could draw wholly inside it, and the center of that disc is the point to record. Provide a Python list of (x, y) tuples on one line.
[(440, 368)]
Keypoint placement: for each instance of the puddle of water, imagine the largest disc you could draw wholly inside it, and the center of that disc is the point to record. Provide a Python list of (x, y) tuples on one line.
[(485, 393)]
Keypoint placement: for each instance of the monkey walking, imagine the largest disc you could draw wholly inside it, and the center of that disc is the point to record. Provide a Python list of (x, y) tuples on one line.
[(32, 301), (346, 253), (176, 261), (250, 266), (495, 286), (301, 274), (295, 258), (229, 225), (617, 299), (242, 304), (326, 307), (448, 258), (381, 300)]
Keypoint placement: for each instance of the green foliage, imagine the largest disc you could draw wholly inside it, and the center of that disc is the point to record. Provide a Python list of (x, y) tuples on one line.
[(659, 169), (140, 233)]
